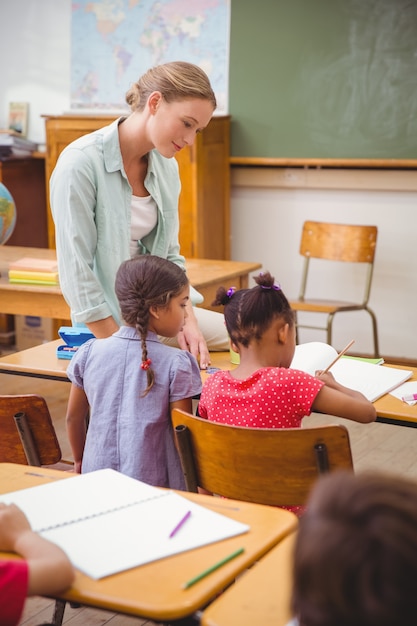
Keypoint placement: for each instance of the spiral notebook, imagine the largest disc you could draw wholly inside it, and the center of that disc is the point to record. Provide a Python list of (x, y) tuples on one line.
[(107, 522)]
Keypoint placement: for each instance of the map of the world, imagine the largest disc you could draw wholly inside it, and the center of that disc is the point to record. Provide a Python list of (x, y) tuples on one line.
[(113, 42)]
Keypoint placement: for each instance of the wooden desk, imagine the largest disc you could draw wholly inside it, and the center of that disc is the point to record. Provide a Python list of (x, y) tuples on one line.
[(206, 275), (41, 362), (37, 362), (154, 591), (261, 595), (391, 410)]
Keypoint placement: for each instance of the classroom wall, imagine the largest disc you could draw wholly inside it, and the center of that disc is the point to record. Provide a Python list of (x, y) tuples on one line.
[(35, 59), (266, 222), (267, 207)]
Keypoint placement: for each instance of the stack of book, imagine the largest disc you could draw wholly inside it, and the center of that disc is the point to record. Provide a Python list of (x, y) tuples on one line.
[(13, 144), (34, 271)]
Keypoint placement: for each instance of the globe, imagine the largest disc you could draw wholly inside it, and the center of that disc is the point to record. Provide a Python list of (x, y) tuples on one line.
[(7, 214)]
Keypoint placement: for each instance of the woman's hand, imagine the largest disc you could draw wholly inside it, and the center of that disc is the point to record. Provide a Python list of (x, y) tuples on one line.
[(191, 339)]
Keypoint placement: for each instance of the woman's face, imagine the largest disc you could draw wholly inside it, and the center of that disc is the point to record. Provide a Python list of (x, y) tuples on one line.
[(175, 125)]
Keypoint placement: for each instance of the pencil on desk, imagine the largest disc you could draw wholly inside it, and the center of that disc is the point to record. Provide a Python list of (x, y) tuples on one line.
[(213, 568), (180, 524), (345, 349)]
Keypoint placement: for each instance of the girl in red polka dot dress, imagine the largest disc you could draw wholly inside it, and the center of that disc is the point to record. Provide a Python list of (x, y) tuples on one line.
[(263, 392)]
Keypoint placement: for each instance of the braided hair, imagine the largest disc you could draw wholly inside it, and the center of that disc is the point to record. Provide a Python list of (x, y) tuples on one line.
[(141, 283)]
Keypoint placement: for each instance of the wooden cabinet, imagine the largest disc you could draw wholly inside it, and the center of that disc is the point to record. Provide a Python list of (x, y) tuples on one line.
[(204, 206), (25, 179)]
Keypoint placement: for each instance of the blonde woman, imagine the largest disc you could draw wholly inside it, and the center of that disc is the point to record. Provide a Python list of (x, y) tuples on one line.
[(114, 195)]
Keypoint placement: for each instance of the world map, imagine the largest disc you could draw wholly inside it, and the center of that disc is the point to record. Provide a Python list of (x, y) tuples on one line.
[(113, 42)]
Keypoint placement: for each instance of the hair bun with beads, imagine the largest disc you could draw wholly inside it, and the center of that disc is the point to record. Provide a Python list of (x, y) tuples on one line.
[(266, 281)]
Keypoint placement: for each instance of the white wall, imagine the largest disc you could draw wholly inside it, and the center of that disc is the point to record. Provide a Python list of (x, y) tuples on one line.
[(266, 220), (266, 226), (35, 59)]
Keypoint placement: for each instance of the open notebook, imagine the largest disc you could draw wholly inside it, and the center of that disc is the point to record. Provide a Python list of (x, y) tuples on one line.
[(107, 522), (372, 380)]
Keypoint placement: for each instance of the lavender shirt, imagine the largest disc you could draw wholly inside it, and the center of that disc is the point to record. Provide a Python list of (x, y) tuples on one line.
[(127, 432)]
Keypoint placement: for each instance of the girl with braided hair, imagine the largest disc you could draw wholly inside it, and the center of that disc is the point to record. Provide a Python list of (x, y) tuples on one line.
[(129, 382), (263, 391)]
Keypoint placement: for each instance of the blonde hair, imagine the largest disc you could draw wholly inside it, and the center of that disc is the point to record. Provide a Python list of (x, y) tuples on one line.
[(176, 81)]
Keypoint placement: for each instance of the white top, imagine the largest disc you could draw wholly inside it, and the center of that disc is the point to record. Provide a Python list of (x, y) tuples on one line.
[(144, 220)]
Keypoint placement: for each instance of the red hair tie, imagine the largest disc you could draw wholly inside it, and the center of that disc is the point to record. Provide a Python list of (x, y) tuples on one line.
[(145, 365)]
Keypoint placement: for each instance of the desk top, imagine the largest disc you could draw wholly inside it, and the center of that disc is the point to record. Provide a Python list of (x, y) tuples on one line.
[(41, 362), (155, 590), (201, 272), (261, 596)]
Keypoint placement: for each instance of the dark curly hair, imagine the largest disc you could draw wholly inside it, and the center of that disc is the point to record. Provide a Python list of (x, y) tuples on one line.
[(248, 313), (355, 560)]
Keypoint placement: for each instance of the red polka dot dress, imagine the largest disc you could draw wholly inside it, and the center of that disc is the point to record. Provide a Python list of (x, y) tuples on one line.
[(272, 397)]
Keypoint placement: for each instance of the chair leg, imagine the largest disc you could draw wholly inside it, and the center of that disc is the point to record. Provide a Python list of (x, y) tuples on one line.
[(297, 338), (375, 332), (330, 328), (58, 615)]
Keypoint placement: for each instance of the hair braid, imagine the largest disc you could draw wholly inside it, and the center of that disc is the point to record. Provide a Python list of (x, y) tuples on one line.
[(141, 283)]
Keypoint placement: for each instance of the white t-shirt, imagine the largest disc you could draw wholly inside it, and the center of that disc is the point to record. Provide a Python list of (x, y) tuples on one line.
[(144, 219)]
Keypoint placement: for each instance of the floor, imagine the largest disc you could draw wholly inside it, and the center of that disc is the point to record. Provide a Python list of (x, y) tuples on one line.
[(374, 447)]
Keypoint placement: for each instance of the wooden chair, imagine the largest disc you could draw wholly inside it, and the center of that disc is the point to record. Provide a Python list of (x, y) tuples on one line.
[(28, 437), (27, 432), (263, 465), (336, 242)]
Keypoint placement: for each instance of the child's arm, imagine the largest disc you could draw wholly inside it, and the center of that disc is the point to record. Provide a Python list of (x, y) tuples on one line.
[(50, 570), (76, 421), (335, 399), (184, 405)]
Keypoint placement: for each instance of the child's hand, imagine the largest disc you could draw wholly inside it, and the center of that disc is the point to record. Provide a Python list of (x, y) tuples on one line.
[(13, 523), (327, 378)]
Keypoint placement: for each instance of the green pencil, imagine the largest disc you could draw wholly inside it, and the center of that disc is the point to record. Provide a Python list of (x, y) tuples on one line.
[(213, 568)]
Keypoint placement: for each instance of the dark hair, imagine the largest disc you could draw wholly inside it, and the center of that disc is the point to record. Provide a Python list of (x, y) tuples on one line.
[(355, 560), (177, 80), (143, 282), (248, 313)]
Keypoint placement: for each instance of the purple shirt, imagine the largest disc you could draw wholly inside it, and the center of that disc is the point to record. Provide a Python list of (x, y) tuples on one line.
[(128, 432)]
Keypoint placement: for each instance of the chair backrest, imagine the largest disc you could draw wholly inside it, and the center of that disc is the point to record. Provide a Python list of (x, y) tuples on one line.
[(263, 465), (27, 433), (338, 242)]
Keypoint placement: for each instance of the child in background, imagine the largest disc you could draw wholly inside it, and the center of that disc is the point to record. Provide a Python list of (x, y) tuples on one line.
[(263, 392), (131, 381), (44, 570), (355, 560)]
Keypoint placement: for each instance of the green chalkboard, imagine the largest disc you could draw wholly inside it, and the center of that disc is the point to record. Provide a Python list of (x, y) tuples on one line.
[(324, 79)]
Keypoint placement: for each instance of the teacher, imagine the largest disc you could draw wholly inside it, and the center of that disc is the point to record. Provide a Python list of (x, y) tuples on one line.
[(114, 194)]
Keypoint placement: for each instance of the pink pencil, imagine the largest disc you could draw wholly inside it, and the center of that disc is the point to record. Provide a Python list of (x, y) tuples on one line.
[(180, 524)]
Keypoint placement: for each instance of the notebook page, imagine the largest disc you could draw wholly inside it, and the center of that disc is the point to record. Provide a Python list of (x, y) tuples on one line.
[(84, 495), (139, 534), (107, 522), (312, 356), (372, 380)]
